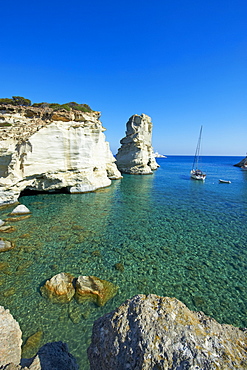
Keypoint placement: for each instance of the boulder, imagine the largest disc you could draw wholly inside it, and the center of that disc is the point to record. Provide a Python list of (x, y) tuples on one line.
[(152, 332), (5, 245), (136, 155), (21, 209), (94, 289), (10, 342), (52, 356), (7, 229), (59, 288)]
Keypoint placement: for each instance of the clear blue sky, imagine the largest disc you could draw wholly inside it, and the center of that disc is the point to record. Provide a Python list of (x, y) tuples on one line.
[(184, 63)]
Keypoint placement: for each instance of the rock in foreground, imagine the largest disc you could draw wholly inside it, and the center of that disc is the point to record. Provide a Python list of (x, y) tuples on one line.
[(152, 332), (10, 342), (52, 356), (136, 155)]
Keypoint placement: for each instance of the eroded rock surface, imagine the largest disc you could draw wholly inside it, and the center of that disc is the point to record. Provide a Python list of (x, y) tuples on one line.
[(243, 162), (45, 150), (59, 288), (21, 209), (5, 245), (51, 356), (94, 289), (152, 332), (10, 338), (136, 155)]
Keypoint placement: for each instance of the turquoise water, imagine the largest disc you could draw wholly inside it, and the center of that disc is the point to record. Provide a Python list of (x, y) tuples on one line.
[(173, 236)]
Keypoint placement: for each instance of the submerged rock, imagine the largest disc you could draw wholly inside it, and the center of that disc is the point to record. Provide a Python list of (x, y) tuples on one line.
[(59, 288), (7, 229), (20, 210), (136, 155), (17, 218), (5, 245), (94, 289), (10, 338), (32, 344), (152, 332)]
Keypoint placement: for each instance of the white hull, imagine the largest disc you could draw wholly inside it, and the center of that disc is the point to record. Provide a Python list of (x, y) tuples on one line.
[(244, 168), (225, 181), (197, 175)]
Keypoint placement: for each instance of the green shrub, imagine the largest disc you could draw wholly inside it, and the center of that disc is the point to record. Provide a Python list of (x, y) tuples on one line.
[(6, 101), (5, 124), (19, 100)]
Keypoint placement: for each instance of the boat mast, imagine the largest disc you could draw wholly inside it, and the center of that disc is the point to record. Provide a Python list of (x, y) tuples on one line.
[(197, 153)]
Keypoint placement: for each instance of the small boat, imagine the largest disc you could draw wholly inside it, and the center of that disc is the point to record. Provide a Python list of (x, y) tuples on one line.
[(225, 181), (195, 173), (244, 167)]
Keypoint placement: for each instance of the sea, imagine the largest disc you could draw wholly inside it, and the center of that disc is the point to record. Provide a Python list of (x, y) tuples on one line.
[(164, 234)]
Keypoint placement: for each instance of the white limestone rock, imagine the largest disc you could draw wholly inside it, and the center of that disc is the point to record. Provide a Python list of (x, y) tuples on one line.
[(136, 155), (10, 342), (45, 151), (21, 209)]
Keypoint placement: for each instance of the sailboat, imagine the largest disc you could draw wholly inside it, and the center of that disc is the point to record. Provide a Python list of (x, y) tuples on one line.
[(195, 173)]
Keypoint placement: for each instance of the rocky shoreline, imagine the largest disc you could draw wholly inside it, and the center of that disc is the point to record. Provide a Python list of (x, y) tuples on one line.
[(145, 332)]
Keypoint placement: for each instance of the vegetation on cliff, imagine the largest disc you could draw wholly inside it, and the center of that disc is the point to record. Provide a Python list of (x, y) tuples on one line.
[(19, 100)]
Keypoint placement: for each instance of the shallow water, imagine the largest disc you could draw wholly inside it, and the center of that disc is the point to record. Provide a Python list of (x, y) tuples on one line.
[(173, 236)]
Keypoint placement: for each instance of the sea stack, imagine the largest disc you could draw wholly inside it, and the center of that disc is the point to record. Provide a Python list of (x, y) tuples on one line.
[(243, 162), (45, 150), (136, 155)]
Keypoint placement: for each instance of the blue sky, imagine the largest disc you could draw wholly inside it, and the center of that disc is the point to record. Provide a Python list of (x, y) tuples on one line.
[(184, 63)]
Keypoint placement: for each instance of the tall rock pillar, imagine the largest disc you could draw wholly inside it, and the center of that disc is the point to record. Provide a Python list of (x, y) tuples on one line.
[(136, 155)]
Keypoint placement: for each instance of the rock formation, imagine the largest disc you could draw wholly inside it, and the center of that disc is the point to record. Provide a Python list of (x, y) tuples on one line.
[(243, 162), (20, 210), (10, 342), (136, 155), (53, 356), (59, 288), (94, 289), (45, 150), (62, 287), (152, 332), (5, 245)]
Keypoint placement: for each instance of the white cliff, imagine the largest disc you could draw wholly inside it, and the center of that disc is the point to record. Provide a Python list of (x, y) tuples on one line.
[(45, 150), (136, 155)]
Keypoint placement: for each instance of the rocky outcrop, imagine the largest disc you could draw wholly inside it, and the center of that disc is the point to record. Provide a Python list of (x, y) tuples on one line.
[(152, 332), (20, 210), (53, 356), (10, 342), (59, 288), (243, 162), (45, 150), (5, 245), (94, 289), (136, 155), (62, 287)]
